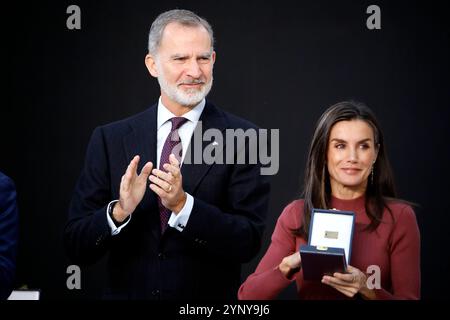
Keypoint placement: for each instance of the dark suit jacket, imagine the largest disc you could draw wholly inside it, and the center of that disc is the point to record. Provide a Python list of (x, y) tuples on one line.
[(9, 230), (203, 261)]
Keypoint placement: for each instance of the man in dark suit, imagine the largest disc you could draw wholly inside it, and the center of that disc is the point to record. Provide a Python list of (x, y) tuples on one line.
[(187, 236), (9, 230)]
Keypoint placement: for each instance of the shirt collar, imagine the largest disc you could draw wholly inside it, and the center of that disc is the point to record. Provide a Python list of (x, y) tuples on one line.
[(165, 115)]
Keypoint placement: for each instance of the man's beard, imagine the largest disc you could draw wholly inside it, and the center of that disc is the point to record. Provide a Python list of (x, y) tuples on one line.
[(190, 97)]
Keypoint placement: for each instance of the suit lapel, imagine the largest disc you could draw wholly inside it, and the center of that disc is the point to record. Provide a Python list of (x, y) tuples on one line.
[(142, 141), (211, 118)]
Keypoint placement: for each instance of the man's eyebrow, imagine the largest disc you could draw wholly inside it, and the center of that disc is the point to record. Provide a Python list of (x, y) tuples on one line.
[(181, 55), (205, 55), (178, 55)]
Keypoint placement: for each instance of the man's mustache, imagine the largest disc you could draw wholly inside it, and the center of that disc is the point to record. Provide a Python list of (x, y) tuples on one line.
[(193, 81)]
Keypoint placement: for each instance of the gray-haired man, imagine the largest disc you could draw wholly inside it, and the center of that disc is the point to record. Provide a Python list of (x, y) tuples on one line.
[(173, 229)]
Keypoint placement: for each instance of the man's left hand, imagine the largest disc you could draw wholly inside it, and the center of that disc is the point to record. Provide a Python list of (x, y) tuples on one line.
[(169, 185)]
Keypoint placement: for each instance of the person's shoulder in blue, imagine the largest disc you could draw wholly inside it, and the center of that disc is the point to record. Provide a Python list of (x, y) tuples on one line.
[(9, 230)]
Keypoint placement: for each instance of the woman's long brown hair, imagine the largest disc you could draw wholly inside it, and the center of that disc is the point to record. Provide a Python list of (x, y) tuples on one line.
[(317, 190)]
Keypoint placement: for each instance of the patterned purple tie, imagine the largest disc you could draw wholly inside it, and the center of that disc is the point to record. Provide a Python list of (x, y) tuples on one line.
[(172, 141)]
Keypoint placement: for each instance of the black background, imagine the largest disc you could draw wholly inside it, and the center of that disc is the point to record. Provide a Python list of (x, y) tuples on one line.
[(279, 64)]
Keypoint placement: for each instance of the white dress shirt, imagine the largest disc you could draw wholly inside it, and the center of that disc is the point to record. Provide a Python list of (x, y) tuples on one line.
[(177, 221)]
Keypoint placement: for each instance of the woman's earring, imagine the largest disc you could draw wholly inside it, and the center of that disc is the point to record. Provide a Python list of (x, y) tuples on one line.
[(371, 175)]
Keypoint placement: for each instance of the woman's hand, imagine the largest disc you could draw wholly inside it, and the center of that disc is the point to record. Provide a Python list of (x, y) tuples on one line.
[(290, 265), (350, 283)]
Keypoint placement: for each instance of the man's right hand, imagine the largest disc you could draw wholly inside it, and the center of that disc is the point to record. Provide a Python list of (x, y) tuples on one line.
[(132, 189)]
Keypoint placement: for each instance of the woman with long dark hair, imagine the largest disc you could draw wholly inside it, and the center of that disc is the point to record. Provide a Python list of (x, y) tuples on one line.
[(347, 169)]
